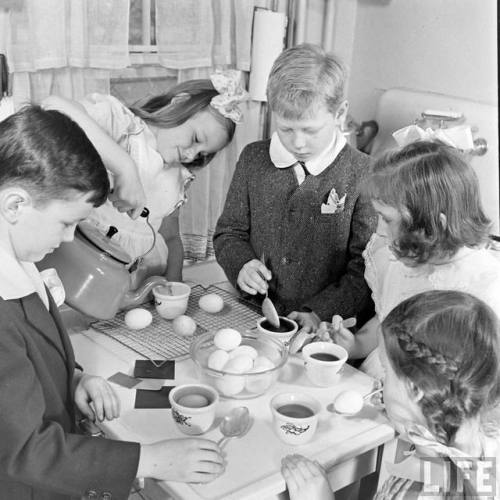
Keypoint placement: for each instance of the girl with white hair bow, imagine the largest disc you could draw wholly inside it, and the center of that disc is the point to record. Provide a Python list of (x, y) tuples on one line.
[(150, 150)]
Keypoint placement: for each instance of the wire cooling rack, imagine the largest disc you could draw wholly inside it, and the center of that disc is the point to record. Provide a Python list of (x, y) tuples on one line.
[(158, 340)]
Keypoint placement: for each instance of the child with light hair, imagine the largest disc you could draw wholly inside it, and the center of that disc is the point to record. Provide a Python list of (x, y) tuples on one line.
[(294, 223)]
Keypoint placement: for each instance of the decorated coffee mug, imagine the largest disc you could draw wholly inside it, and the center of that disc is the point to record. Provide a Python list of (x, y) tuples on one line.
[(295, 417), (323, 362), (193, 407), (171, 300)]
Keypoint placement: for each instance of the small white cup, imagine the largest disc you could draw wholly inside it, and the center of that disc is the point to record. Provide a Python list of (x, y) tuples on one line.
[(321, 370), (295, 417), (170, 305), (263, 326), (193, 407)]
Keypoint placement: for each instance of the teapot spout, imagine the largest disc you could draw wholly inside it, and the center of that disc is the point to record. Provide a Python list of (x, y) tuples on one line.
[(139, 295)]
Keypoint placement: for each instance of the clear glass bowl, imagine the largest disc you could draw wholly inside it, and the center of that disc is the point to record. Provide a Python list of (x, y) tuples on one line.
[(239, 385)]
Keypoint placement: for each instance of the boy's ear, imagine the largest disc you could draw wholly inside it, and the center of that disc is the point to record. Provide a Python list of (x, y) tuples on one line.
[(12, 202), (341, 112)]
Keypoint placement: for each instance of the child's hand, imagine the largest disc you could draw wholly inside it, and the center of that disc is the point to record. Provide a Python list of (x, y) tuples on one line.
[(128, 194), (341, 335), (253, 277), (307, 321), (191, 460), (305, 479), (96, 399)]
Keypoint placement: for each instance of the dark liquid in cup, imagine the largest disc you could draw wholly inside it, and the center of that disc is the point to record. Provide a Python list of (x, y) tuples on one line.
[(285, 326), (295, 411), (324, 356)]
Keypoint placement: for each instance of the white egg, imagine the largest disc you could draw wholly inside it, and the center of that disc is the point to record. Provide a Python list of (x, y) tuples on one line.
[(184, 326), (227, 339), (138, 318), (239, 364), (262, 363), (230, 385), (247, 350), (217, 359), (257, 384), (211, 303), (194, 401), (348, 402)]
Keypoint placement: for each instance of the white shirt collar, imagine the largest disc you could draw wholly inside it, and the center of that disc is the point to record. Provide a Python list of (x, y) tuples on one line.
[(20, 279), (282, 158)]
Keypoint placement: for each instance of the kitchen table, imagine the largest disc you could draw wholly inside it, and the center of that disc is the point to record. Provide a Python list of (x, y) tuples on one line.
[(350, 447)]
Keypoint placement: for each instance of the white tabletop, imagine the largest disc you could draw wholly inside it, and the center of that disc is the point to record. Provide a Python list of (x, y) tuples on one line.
[(253, 461)]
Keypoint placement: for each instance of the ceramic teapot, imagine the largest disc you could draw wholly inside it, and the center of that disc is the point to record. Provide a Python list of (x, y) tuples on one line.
[(97, 273)]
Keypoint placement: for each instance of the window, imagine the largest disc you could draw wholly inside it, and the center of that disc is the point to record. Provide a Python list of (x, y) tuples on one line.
[(142, 33)]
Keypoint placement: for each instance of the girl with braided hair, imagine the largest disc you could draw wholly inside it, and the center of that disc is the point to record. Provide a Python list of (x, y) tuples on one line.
[(432, 234), (440, 352)]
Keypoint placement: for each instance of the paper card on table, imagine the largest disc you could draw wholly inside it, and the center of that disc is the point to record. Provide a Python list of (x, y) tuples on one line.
[(152, 399), (151, 384), (124, 380), (144, 368)]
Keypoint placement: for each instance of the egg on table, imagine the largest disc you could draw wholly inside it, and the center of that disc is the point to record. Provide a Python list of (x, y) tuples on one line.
[(217, 359), (262, 364), (138, 318), (184, 326), (211, 303), (230, 385), (348, 402), (247, 350), (227, 339), (193, 401), (240, 364)]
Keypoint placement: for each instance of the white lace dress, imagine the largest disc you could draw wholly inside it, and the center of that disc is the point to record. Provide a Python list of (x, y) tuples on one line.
[(472, 270)]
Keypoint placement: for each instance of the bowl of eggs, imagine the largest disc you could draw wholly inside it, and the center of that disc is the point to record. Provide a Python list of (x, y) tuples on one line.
[(239, 366)]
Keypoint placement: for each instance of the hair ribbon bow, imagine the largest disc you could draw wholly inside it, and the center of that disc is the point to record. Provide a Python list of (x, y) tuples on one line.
[(231, 93)]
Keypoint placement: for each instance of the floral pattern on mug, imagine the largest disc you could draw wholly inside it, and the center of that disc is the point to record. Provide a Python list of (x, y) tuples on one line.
[(180, 418), (290, 428)]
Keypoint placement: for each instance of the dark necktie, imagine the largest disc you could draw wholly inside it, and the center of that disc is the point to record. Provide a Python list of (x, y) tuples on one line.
[(303, 165)]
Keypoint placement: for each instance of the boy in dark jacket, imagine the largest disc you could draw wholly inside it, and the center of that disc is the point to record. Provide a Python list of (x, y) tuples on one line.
[(295, 199)]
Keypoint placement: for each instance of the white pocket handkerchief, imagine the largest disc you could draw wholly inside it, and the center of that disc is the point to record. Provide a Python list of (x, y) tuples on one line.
[(334, 203)]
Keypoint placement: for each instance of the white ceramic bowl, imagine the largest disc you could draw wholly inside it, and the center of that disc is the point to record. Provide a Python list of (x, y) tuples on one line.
[(248, 384), (190, 417), (295, 416), (323, 362), (288, 327), (172, 301)]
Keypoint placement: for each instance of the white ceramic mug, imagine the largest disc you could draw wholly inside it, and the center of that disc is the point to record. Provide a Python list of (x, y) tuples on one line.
[(171, 301), (323, 362), (193, 407), (295, 417), (263, 326)]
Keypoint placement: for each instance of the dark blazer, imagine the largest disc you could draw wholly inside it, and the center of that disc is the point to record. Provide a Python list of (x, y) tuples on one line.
[(315, 258), (42, 457)]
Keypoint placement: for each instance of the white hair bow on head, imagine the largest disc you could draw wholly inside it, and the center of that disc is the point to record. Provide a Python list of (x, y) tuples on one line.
[(459, 137), (231, 93)]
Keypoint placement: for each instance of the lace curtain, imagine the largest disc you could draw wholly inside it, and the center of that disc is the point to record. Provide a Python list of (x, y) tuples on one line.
[(65, 47)]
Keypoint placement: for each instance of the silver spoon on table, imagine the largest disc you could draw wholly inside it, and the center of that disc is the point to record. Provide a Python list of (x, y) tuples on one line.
[(235, 424)]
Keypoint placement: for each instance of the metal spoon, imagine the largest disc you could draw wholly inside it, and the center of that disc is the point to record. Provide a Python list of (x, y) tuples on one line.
[(235, 424), (268, 309)]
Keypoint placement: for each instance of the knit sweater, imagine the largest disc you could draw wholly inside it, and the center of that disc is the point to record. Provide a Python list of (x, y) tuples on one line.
[(315, 258)]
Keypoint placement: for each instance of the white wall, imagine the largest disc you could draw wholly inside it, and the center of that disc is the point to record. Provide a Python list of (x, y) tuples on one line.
[(443, 46)]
